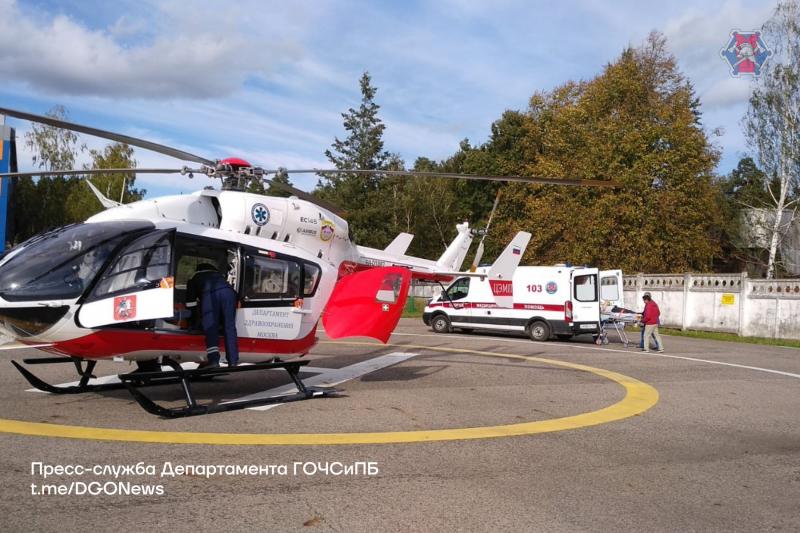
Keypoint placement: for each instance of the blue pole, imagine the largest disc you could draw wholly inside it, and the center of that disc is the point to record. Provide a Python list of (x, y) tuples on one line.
[(6, 158)]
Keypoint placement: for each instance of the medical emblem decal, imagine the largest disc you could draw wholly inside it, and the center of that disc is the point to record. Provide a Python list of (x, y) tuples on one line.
[(260, 214)]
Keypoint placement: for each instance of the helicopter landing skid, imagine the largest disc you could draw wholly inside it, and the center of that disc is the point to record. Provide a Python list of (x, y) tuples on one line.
[(133, 382), (151, 378)]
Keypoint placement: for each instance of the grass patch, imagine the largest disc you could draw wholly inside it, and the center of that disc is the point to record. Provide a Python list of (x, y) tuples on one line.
[(729, 337), (414, 307)]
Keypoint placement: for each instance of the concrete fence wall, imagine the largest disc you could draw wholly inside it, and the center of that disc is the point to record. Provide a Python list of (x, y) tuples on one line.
[(730, 303)]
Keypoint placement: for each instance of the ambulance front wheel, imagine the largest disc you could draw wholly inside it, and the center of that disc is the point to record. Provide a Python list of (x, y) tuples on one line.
[(539, 331), (440, 324)]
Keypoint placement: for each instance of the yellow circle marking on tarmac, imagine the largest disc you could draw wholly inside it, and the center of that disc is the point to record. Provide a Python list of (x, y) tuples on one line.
[(639, 397)]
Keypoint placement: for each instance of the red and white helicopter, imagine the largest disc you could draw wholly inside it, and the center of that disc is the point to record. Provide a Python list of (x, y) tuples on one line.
[(115, 285)]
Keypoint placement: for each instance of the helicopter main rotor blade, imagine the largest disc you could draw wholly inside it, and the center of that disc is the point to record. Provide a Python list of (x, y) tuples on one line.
[(95, 171), (424, 174), (304, 195), (127, 139), (185, 170)]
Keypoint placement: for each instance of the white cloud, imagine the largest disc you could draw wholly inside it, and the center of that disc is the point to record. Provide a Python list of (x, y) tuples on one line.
[(726, 92), (195, 53), (268, 80)]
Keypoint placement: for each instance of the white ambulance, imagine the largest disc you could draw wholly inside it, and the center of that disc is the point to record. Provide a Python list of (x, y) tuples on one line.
[(548, 301)]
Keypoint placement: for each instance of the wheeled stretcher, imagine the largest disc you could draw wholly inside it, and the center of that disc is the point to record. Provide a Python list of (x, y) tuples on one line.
[(617, 320)]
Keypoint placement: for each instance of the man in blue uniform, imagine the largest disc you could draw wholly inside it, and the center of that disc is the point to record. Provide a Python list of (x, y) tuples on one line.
[(217, 306)]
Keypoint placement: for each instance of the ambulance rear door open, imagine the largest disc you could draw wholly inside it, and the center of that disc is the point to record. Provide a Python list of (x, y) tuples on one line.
[(584, 297), (611, 290)]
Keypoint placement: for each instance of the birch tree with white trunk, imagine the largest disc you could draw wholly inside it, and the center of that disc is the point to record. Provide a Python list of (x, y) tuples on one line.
[(772, 121)]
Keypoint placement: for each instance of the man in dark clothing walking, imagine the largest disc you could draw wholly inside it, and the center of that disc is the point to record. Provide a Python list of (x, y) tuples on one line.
[(217, 306), (650, 318)]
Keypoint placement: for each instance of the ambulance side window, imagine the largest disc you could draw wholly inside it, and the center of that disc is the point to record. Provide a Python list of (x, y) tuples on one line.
[(586, 288), (459, 290), (609, 290)]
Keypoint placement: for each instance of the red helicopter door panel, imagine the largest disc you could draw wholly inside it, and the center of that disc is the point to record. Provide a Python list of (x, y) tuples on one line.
[(367, 303), (138, 284)]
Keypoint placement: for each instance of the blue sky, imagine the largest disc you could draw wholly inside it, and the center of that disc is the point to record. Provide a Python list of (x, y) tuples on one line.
[(268, 81)]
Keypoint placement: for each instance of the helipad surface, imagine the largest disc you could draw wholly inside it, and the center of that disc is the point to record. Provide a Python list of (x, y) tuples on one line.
[(465, 432)]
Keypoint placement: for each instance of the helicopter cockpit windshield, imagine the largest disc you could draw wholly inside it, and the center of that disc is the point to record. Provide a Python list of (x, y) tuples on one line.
[(60, 264)]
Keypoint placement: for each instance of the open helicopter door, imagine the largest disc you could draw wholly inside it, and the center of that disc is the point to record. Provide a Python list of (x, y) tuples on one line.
[(137, 285), (367, 303)]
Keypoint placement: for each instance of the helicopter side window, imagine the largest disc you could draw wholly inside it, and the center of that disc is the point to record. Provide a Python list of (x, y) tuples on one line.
[(141, 266), (310, 279), (390, 288), (271, 279)]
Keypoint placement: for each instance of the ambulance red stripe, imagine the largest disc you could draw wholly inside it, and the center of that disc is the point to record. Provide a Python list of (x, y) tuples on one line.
[(492, 305)]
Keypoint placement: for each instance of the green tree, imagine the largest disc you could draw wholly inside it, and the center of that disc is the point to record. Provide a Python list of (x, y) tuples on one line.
[(39, 203), (53, 148), (82, 203), (368, 205), (436, 211), (772, 122), (441, 203), (638, 124), (256, 186), (744, 194), (281, 178), (746, 185)]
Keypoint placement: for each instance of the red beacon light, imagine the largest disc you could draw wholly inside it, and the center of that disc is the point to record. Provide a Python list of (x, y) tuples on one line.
[(233, 170), (235, 163)]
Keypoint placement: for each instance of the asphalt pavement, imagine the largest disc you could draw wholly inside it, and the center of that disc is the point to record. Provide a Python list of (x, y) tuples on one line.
[(465, 432)]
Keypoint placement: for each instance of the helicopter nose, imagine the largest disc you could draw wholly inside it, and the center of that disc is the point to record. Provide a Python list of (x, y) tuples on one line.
[(21, 322)]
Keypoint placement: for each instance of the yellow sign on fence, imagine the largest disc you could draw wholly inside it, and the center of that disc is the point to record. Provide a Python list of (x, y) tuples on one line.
[(728, 299)]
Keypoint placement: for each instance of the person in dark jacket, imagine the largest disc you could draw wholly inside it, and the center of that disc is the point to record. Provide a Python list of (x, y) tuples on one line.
[(650, 318), (217, 307)]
